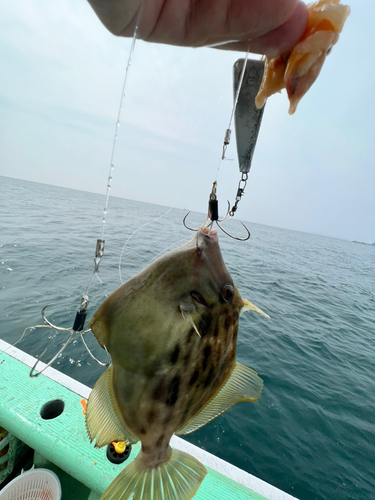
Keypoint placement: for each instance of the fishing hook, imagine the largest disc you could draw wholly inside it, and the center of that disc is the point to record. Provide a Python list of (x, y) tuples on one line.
[(217, 223), (236, 237), (36, 374), (65, 345), (226, 215), (205, 224), (91, 354), (190, 228)]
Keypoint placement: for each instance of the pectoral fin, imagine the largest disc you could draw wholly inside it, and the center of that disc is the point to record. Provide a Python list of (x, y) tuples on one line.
[(248, 306), (242, 385), (103, 418)]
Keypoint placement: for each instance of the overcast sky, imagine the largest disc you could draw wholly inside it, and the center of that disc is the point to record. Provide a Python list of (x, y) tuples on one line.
[(61, 80)]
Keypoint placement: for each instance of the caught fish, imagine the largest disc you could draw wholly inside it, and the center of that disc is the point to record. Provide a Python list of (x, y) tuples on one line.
[(298, 69), (172, 334)]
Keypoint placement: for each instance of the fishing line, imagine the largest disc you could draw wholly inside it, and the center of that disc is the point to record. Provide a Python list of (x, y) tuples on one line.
[(228, 131), (166, 248), (111, 167), (100, 242), (213, 207), (78, 326), (131, 236)]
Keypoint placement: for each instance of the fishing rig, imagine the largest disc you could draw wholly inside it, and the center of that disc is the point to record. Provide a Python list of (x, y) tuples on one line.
[(247, 76), (80, 318)]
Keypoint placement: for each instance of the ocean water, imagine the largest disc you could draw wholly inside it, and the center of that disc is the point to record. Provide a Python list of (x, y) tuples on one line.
[(312, 433)]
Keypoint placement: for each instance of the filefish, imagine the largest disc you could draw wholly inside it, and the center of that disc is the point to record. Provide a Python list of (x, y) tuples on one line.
[(171, 332), (298, 69)]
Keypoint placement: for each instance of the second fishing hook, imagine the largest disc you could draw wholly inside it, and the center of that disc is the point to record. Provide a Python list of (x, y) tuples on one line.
[(77, 328)]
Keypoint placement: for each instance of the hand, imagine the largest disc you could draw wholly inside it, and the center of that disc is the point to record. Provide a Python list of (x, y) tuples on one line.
[(268, 27)]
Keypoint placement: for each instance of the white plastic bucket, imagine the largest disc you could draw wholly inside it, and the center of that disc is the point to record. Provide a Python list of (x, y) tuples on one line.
[(36, 484)]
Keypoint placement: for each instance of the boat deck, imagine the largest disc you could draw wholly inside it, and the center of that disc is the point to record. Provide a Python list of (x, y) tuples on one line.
[(64, 442)]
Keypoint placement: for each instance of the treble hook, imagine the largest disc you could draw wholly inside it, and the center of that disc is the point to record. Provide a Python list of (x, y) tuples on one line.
[(190, 228), (236, 237), (72, 332), (213, 216), (226, 215), (217, 223)]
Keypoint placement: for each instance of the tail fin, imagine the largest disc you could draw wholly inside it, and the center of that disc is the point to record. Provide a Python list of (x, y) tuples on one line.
[(177, 479)]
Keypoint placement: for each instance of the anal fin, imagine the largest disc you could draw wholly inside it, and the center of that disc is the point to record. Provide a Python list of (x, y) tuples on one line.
[(242, 385), (103, 417)]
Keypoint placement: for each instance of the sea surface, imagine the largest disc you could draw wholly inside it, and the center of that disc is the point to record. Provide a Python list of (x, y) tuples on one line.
[(312, 433)]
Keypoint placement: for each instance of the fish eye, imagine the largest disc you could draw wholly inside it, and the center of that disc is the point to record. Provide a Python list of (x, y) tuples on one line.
[(227, 293)]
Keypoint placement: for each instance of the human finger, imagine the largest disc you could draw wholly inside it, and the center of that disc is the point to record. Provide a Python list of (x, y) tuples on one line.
[(201, 23), (277, 41)]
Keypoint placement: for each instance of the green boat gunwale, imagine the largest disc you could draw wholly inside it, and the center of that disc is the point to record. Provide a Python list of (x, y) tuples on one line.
[(63, 440)]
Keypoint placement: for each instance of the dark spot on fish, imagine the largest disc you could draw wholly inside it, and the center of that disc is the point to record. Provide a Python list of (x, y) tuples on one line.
[(194, 377), (158, 393), (175, 354), (159, 442), (216, 332), (186, 412), (206, 356), (173, 391), (142, 430), (204, 324), (209, 378), (151, 415), (224, 365), (228, 322), (188, 406)]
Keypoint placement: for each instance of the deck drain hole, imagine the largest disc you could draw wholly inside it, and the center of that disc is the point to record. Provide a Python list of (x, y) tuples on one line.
[(52, 409)]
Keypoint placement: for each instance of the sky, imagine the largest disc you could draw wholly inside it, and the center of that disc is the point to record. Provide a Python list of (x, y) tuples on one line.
[(61, 78)]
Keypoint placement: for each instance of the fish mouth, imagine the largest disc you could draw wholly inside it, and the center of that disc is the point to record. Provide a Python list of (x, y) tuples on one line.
[(206, 238), (212, 233)]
